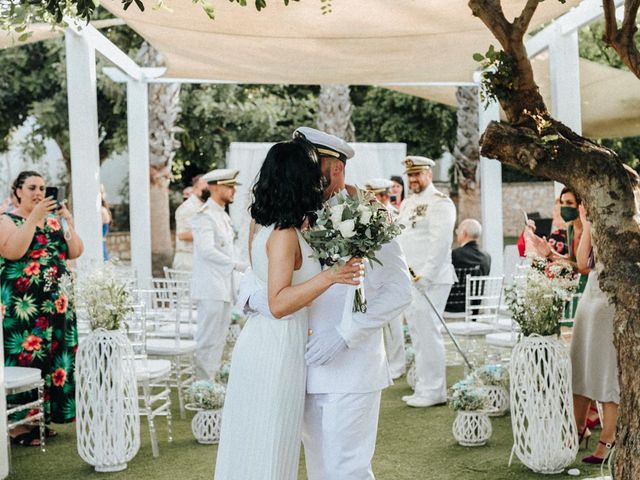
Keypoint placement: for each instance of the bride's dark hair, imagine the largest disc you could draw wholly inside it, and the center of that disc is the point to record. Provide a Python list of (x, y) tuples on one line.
[(289, 185)]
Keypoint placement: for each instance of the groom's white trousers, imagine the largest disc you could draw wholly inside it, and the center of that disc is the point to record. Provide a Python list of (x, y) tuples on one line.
[(339, 435), (214, 317)]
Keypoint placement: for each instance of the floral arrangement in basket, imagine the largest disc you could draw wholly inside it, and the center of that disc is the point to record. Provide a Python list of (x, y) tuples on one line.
[(492, 375), (353, 227), (206, 395), (222, 375), (538, 305), (468, 395), (106, 298)]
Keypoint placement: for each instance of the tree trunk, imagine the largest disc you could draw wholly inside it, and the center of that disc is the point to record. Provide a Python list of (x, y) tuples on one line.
[(164, 109), (334, 113), (466, 154), (537, 143)]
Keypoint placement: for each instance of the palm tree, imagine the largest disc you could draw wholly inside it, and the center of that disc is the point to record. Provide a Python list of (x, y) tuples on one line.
[(335, 108)]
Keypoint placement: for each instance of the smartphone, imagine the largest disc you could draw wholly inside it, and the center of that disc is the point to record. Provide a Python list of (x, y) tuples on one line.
[(526, 218), (57, 193), (393, 198)]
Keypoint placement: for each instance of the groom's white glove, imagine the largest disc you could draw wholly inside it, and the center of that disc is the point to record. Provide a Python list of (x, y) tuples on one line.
[(323, 347), (254, 299)]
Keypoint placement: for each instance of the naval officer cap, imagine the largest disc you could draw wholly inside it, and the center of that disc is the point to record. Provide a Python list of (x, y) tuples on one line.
[(378, 185), (326, 144), (222, 176), (414, 164)]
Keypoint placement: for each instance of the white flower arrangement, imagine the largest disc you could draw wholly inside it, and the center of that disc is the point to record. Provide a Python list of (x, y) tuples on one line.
[(538, 305), (353, 227), (469, 395), (222, 375), (492, 375), (206, 395), (106, 298)]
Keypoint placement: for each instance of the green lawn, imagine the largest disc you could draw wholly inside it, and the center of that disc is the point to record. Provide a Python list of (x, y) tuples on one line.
[(412, 444)]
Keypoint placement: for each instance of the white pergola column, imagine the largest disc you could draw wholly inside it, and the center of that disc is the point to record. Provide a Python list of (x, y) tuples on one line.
[(491, 193), (84, 141), (564, 74), (139, 203)]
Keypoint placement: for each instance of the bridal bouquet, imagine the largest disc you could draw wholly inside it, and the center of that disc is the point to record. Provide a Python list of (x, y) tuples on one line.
[(353, 227), (538, 305)]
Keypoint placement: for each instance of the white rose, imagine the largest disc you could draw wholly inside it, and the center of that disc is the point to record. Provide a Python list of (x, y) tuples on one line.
[(347, 228), (336, 213), (365, 214)]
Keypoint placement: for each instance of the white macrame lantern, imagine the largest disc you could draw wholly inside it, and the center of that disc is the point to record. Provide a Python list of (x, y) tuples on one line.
[(411, 376), (107, 418), (472, 428), (205, 426), (544, 434), (498, 400)]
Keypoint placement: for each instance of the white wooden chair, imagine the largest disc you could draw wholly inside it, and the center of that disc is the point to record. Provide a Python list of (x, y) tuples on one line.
[(153, 377), (20, 380)]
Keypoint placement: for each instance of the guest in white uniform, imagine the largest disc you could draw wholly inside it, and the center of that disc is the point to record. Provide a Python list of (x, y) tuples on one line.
[(393, 332), (262, 419), (214, 261), (183, 258), (348, 366), (429, 217)]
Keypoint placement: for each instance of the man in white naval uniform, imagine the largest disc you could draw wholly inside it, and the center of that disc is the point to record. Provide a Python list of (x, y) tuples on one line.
[(183, 259), (394, 331), (213, 264), (347, 363), (429, 217)]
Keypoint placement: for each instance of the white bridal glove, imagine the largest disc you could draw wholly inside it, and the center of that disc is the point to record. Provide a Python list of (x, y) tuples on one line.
[(323, 346)]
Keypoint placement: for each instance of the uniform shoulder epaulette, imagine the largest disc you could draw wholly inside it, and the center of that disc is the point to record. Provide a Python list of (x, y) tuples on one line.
[(202, 208), (441, 195)]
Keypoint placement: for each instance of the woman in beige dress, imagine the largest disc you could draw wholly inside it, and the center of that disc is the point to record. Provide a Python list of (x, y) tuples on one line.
[(593, 355)]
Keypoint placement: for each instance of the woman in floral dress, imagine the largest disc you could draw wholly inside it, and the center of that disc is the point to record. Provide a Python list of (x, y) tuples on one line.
[(39, 325)]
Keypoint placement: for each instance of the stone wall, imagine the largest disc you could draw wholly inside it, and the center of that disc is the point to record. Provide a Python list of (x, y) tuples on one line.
[(528, 196), (119, 245)]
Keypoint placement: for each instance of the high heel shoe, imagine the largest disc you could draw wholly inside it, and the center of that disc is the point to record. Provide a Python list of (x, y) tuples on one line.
[(585, 435), (595, 423), (592, 459)]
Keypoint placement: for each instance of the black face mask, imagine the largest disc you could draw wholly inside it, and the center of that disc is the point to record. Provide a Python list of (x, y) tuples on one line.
[(205, 195), (568, 214)]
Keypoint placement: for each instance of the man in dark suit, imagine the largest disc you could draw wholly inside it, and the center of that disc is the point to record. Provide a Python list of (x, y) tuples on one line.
[(467, 259)]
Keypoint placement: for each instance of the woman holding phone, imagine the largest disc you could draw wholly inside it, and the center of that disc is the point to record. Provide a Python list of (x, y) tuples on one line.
[(39, 326)]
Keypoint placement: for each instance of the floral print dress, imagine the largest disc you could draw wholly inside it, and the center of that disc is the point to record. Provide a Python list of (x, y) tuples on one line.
[(39, 325)]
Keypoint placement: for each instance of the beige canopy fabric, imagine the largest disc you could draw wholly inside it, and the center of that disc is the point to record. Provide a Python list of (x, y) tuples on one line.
[(361, 42), (610, 97)]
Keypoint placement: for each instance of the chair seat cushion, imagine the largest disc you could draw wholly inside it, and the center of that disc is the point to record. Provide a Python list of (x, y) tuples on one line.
[(166, 346), (469, 329), (502, 339), (18, 377), (151, 368)]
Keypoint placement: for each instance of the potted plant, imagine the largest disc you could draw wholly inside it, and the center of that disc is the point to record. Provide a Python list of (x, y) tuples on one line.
[(471, 427), (206, 398), (495, 380), (107, 418), (545, 438)]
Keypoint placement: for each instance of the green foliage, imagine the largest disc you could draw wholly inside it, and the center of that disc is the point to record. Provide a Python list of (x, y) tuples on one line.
[(213, 116), (500, 77), (382, 115)]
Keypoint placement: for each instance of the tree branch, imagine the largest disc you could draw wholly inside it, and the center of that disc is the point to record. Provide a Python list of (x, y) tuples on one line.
[(622, 40), (491, 14), (521, 23)]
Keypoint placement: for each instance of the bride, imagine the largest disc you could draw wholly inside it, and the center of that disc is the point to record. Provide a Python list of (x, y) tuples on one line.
[(262, 417)]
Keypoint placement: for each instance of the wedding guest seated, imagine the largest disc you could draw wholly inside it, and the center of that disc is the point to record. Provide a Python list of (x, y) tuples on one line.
[(468, 256)]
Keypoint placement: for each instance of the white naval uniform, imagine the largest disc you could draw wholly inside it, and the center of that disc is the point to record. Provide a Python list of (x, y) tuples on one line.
[(212, 285), (394, 332), (343, 396), (429, 218), (183, 259)]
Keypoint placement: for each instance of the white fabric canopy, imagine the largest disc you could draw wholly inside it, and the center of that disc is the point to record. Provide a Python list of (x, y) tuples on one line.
[(44, 31)]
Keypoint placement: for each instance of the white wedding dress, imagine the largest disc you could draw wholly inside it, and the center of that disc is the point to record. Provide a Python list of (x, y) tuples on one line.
[(263, 409)]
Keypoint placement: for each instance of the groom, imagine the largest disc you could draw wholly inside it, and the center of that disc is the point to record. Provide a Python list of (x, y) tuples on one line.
[(348, 366)]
